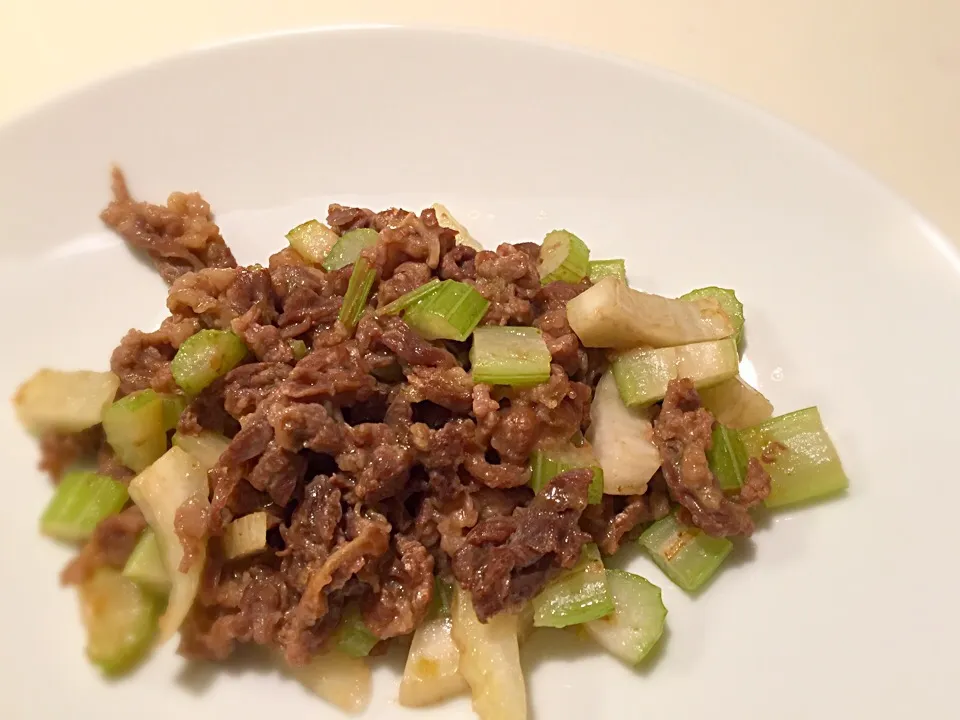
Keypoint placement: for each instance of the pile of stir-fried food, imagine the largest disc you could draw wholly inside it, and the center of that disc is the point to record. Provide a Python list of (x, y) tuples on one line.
[(389, 432)]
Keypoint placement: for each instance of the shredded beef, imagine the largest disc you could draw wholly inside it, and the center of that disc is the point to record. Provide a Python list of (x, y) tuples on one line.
[(619, 518), (406, 589), (110, 546), (142, 360), (58, 450)]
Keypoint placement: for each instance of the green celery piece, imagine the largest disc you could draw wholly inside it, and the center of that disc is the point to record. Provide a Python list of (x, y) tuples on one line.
[(120, 619), (299, 348), (450, 312), (358, 291), (411, 298), (349, 246), (576, 596), (173, 406), (312, 240), (515, 356), (599, 269), (80, 502), (728, 301), (727, 457), (145, 565), (546, 464), (442, 599), (204, 357), (563, 256), (206, 448), (799, 455), (686, 554), (134, 428), (635, 626), (352, 636)]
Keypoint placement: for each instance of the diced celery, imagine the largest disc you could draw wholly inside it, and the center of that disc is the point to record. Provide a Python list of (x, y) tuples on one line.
[(600, 269), (173, 407), (643, 375), (120, 619), (686, 554), (727, 458), (728, 301), (442, 598), (411, 298), (204, 357), (611, 315), (563, 256), (312, 240), (515, 356), (352, 636), (80, 502), (64, 401), (576, 596), (636, 624), (546, 464), (348, 248), (299, 348), (145, 566), (337, 678), (450, 312), (358, 291), (446, 219), (134, 428), (246, 535), (432, 672), (206, 448), (799, 455), (736, 404)]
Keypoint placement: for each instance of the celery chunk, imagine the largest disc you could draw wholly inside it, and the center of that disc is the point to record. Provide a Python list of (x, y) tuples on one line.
[(686, 554), (515, 356), (80, 502), (204, 357)]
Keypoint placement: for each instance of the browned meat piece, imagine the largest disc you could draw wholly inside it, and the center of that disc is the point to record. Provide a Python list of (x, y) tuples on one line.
[(110, 546), (58, 451)]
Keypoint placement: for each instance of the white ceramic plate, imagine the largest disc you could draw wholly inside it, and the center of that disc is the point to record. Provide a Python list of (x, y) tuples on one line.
[(844, 610)]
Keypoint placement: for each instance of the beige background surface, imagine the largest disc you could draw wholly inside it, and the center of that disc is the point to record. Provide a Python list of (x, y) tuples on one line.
[(877, 79)]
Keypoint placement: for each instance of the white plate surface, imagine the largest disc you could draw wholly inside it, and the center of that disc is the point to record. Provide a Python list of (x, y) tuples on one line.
[(844, 610)]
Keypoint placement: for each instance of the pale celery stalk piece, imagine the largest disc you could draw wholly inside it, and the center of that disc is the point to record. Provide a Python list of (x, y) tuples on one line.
[(735, 404), (643, 375), (490, 660), (312, 240), (450, 312), (145, 565), (64, 400), (636, 624), (728, 301), (600, 269), (173, 407), (246, 535), (358, 292), (338, 678), (727, 458), (410, 298), (576, 596), (446, 219), (206, 447), (547, 463), (349, 246), (563, 256), (432, 672), (299, 348), (159, 491), (134, 428), (622, 439), (799, 455), (79, 503), (515, 356), (352, 636), (204, 357), (611, 315), (686, 554), (120, 619)]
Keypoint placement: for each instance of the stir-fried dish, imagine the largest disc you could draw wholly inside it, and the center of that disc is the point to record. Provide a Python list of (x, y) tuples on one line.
[(390, 435)]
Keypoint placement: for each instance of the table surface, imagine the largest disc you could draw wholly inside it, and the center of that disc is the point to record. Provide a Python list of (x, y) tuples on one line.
[(879, 80)]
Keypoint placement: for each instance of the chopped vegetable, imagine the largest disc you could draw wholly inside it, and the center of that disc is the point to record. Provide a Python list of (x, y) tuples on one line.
[(246, 535), (622, 439), (727, 457), (450, 312), (352, 636), (643, 375), (547, 463), (409, 299), (446, 219), (637, 621), (299, 348), (686, 554), (611, 315), (728, 301), (159, 492), (348, 248), (576, 596), (358, 291), (64, 401), (799, 455), (432, 672), (736, 404), (312, 240), (145, 565), (204, 357), (563, 256), (206, 448), (338, 678), (80, 502), (134, 428), (173, 407), (490, 660), (600, 269), (515, 356), (120, 619), (442, 600)]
